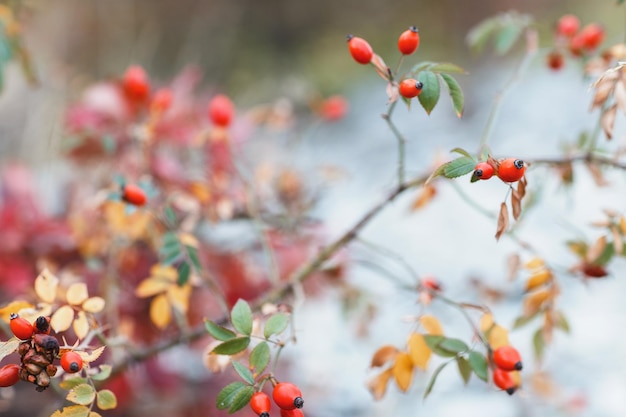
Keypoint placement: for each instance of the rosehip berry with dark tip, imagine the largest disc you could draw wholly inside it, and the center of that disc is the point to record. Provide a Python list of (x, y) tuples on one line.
[(9, 375), (409, 41), (21, 328), (592, 35), (136, 84), (133, 194), (260, 404), (511, 169), (287, 396), (568, 25), (296, 412), (42, 325), (221, 110), (71, 362), (504, 380), (360, 49), (410, 88), (482, 171), (507, 358)]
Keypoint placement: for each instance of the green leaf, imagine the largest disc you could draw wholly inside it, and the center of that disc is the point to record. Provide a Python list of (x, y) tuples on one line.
[(170, 216), (106, 400), (456, 94), (241, 399), (561, 322), (506, 38), (171, 257), (193, 255), (82, 394), (68, 384), (243, 372), (462, 152), (479, 365), (538, 344), (459, 166), (219, 332), (241, 317), (183, 273), (465, 369), (433, 379), (444, 346), (453, 345), (104, 373), (260, 357), (275, 325), (430, 90), (606, 255), (422, 66), (447, 67), (232, 346), (522, 320), (480, 34), (227, 394)]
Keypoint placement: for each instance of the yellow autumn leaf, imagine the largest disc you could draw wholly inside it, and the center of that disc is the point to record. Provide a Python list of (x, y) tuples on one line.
[(200, 191), (13, 307), (431, 325), (94, 414), (94, 305), (133, 225), (160, 311), (90, 357), (383, 355), (403, 371), (378, 384), (72, 411), (498, 337), (46, 286), (152, 286), (31, 313), (622, 225), (62, 319), (188, 239), (179, 297), (534, 263), (538, 279), (486, 322), (534, 301), (517, 378), (76, 293), (419, 351), (8, 347), (81, 325)]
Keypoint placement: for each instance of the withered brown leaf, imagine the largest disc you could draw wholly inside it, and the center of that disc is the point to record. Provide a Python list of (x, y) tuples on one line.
[(607, 121), (503, 220)]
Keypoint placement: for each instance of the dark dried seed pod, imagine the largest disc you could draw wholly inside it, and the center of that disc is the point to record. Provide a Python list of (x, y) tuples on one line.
[(51, 370), (32, 368)]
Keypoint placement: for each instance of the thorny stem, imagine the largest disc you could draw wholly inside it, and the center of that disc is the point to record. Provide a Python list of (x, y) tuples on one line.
[(497, 100), (401, 141)]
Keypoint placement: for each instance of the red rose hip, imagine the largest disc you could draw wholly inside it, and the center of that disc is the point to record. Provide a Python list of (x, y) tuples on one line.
[(409, 41), (360, 49), (507, 358), (504, 380), (221, 110), (410, 88), (287, 396), (21, 328), (511, 169), (260, 404), (71, 362)]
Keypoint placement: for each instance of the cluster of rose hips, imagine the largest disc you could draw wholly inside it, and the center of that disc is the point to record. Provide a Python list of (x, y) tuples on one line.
[(287, 397), (506, 360), (408, 42), (569, 37), (508, 170), (38, 351)]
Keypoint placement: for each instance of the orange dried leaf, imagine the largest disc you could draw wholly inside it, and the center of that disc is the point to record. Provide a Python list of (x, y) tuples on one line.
[(77, 293), (383, 355), (188, 239), (94, 305), (419, 351), (498, 337), (403, 371), (607, 121), (596, 174), (503, 220), (595, 250), (618, 242), (381, 68), (46, 286), (516, 205), (378, 384), (431, 325), (534, 263), (424, 197), (160, 311), (152, 286), (535, 300), (94, 355), (622, 225), (14, 307), (179, 297), (538, 279), (62, 319), (604, 86), (486, 322), (392, 92), (81, 325)]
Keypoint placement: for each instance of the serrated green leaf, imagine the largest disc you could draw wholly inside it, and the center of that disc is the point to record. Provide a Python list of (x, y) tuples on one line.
[(433, 379), (104, 373), (465, 370), (193, 255), (68, 384), (219, 332), (241, 317), (260, 357), (538, 344), (184, 271), (445, 347), (461, 151), (243, 372), (456, 94), (480, 34), (226, 396), (459, 167), (479, 365), (447, 67), (82, 394), (241, 399), (106, 399), (275, 324), (506, 38), (430, 90), (232, 346)]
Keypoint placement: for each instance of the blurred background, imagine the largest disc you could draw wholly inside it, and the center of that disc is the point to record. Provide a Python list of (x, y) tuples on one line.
[(260, 51)]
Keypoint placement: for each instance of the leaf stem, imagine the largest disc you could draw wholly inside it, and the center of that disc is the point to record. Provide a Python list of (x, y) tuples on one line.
[(401, 142)]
